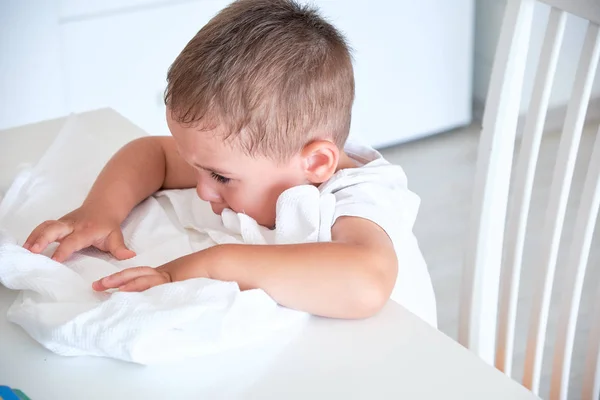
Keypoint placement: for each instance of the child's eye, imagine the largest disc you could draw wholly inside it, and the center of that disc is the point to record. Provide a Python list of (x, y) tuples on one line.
[(219, 178)]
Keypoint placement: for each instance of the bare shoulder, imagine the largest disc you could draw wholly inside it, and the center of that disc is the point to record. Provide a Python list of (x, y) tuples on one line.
[(178, 173)]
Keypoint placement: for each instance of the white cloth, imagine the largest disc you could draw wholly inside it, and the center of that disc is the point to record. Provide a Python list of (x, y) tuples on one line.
[(378, 191)]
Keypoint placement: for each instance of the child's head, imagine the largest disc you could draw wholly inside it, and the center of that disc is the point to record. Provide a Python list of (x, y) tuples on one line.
[(260, 101)]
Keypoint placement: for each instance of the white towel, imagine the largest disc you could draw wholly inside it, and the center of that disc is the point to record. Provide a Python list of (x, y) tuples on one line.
[(57, 306)]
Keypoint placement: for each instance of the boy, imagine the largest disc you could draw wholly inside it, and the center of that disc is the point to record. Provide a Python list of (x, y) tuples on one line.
[(259, 101)]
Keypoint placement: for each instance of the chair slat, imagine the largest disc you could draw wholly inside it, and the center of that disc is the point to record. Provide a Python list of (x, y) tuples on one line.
[(561, 185), (591, 374), (525, 171), (483, 254), (587, 9), (573, 283)]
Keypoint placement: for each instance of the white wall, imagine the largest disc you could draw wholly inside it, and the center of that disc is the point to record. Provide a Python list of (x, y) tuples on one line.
[(30, 72), (489, 14)]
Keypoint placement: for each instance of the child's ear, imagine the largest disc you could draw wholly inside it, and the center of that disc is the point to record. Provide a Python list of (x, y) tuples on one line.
[(320, 160)]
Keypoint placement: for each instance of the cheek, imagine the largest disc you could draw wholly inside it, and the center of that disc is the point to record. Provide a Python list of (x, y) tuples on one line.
[(260, 203), (241, 199), (250, 200)]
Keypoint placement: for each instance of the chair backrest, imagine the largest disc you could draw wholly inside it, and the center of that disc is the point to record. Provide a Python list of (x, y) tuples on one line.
[(491, 282)]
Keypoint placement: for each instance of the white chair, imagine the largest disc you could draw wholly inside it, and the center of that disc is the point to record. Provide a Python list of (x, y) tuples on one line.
[(489, 294)]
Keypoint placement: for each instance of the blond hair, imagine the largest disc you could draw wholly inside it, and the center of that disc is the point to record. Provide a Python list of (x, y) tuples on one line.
[(272, 73)]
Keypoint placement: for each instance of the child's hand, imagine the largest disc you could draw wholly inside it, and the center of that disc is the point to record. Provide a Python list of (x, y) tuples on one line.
[(196, 265), (77, 230), (135, 279)]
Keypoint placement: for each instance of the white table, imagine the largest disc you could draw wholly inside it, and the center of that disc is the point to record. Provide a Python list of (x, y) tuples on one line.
[(392, 355)]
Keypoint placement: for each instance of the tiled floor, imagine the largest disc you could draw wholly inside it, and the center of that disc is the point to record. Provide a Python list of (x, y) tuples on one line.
[(441, 170)]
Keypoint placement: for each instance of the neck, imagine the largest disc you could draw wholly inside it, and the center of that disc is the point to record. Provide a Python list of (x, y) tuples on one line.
[(345, 162)]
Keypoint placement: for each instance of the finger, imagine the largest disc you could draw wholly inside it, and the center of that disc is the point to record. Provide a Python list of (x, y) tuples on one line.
[(116, 246), (50, 232), (35, 234), (72, 243), (121, 278), (143, 283)]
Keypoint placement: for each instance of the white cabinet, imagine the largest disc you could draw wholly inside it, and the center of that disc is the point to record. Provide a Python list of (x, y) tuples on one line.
[(73, 10), (412, 65), (412, 59), (31, 86), (122, 60)]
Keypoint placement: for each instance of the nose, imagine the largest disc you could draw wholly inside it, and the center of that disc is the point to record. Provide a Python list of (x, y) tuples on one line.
[(207, 193)]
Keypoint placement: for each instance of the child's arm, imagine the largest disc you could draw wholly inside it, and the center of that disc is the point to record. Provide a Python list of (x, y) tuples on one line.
[(351, 277), (139, 169)]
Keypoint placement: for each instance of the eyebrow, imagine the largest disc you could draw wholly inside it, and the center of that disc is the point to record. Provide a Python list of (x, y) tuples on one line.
[(210, 169), (206, 168)]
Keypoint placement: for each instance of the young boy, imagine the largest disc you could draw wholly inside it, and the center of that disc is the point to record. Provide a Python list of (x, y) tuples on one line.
[(259, 101)]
